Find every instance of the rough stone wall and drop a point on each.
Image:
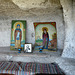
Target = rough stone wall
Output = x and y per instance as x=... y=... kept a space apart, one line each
x=28 y=4
x=69 y=43
x=44 y=11
x=5 y=29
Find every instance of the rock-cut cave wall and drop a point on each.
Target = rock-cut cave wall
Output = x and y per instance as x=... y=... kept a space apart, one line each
x=60 y=11
x=35 y=11
x=69 y=41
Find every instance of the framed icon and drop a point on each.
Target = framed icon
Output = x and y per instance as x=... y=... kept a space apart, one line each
x=18 y=31
x=45 y=36
x=28 y=48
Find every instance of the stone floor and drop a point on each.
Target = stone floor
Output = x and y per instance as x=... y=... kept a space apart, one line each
x=66 y=64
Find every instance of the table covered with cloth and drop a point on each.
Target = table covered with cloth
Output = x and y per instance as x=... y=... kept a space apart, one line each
x=24 y=68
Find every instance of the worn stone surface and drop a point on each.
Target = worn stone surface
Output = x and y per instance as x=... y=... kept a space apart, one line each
x=11 y=11
x=5 y=30
x=43 y=11
x=20 y=8
x=28 y=4
x=60 y=11
x=66 y=64
x=69 y=43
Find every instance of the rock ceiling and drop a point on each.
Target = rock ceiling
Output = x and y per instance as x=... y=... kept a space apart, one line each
x=28 y=4
x=28 y=7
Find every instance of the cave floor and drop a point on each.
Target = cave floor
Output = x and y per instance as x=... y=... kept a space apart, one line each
x=66 y=64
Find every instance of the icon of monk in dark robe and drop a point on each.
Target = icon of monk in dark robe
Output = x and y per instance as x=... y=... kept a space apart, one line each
x=45 y=37
x=18 y=36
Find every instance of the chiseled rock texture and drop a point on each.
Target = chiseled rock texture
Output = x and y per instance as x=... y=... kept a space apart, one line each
x=60 y=11
x=68 y=13
x=31 y=11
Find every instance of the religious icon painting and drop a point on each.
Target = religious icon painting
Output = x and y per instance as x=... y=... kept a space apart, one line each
x=45 y=36
x=28 y=48
x=18 y=31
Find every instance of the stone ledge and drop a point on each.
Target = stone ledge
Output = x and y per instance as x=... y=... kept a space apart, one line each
x=7 y=51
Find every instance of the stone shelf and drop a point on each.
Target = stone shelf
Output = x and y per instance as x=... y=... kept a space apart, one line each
x=7 y=51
